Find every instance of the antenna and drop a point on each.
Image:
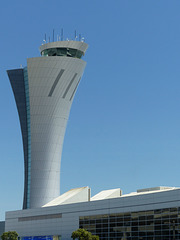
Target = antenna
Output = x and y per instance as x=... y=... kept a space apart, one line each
x=53 y=35
x=44 y=40
x=49 y=39
x=79 y=37
x=61 y=34
x=75 y=35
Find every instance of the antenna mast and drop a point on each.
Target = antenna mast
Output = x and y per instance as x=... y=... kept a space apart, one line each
x=62 y=34
x=53 y=35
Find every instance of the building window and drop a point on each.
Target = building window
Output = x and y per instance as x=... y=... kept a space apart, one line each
x=147 y=225
x=40 y=217
x=63 y=52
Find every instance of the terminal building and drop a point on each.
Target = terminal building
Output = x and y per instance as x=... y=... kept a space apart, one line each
x=148 y=214
x=44 y=91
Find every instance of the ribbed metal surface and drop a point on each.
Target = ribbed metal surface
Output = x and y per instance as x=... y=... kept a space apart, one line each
x=49 y=117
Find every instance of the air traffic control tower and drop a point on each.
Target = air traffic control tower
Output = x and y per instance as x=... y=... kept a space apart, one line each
x=44 y=91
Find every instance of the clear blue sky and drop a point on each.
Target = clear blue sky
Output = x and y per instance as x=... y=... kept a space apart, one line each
x=123 y=129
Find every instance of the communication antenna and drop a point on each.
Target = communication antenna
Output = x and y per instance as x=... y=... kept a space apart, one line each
x=62 y=34
x=49 y=39
x=75 y=35
x=79 y=37
x=53 y=35
x=45 y=37
x=82 y=39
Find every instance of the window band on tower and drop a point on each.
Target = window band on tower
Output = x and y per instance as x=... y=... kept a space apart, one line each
x=56 y=82
x=69 y=85
x=75 y=89
x=26 y=84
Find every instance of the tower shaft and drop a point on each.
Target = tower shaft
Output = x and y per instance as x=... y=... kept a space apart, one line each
x=44 y=92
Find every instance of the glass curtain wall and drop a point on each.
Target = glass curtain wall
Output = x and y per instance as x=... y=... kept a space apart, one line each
x=161 y=224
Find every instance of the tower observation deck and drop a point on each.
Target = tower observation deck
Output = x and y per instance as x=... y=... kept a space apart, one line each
x=44 y=91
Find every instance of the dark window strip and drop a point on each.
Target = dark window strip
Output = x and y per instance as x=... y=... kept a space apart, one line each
x=40 y=217
x=74 y=90
x=69 y=85
x=55 y=82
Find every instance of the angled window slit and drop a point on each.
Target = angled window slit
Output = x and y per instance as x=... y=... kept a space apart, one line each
x=56 y=82
x=74 y=89
x=69 y=85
